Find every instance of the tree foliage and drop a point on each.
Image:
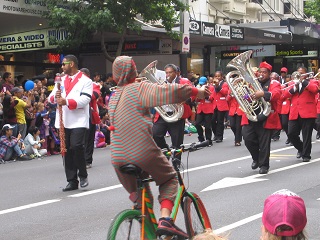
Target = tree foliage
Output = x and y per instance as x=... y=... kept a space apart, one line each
x=82 y=19
x=312 y=9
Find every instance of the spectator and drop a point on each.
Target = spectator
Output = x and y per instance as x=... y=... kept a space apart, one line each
x=208 y=235
x=33 y=143
x=284 y=217
x=10 y=144
x=20 y=109
x=104 y=125
x=8 y=83
x=99 y=140
x=9 y=113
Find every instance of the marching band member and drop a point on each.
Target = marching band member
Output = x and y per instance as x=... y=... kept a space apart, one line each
x=257 y=135
x=285 y=109
x=175 y=129
x=74 y=96
x=303 y=113
x=204 y=113
x=235 y=116
x=220 y=106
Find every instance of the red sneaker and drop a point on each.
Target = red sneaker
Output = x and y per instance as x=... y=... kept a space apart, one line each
x=167 y=227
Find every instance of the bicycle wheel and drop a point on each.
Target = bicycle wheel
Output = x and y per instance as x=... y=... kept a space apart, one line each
x=195 y=215
x=127 y=226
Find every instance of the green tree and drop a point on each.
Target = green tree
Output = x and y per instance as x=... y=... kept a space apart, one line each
x=311 y=8
x=84 y=18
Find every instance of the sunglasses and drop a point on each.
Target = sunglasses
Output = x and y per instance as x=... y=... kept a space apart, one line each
x=64 y=63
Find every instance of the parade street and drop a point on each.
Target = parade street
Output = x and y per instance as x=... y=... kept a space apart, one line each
x=33 y=206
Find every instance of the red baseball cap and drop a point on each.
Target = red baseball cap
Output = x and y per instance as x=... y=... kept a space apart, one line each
x=284 y=69
x=284 y=208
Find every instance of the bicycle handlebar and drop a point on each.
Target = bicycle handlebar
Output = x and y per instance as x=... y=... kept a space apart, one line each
x=188 y=147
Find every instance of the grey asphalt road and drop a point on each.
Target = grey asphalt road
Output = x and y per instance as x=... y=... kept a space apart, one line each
x=33 y=206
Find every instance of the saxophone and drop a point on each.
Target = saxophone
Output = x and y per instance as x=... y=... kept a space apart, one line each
x=148 y=74
x=243 y=83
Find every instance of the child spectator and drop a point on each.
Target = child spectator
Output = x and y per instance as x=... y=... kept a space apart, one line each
x=99 y=140
x=41 y=112
x=284 y=217
x=33 y=143
x=10 y=144
x=104 y=125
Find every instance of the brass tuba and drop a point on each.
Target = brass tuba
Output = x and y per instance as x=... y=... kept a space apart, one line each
x=243 y=84
x=148 y=74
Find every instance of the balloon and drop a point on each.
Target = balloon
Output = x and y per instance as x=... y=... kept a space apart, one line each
x=29 y=85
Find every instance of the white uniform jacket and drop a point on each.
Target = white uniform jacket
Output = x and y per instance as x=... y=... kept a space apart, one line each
x=78 y=95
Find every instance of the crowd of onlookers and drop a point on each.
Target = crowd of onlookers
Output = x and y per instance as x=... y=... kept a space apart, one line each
x=27 y=119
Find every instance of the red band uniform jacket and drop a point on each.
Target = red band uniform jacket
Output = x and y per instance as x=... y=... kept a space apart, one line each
x=272 y=95
x=206 y=105
x=220 y=97
x=303 y=101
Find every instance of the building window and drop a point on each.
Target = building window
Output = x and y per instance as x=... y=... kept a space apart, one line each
x=287 y=8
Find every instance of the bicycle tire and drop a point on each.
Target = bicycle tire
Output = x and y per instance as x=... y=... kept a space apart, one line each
x=195 y=215
x=127 y=225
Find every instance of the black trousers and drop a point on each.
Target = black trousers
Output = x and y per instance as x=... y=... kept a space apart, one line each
x=175 y=129
x=74 y=162
x=89 y=143
x=258 y=140
x=217 y=123
x=305 y=125
x=235 y=124
x=205 y=119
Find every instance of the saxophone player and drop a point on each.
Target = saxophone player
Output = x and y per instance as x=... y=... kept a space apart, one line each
x=257 y=135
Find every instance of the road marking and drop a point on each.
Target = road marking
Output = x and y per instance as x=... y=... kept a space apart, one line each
x=230 y=182
x=96 y=191
x=119 y=185
x=238 y=224
x=32 y=205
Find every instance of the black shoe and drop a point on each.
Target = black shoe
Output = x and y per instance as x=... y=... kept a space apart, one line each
x=299 y=155
x=263 y=170
x=210 y=143
x=214 y=139
x=305 y=159
x=288 y=141
x=275 y=139
x=84 y=182
x=70 y=187
x=318 y=136
x=167 y=227
x=218 y=140
x=254 y=165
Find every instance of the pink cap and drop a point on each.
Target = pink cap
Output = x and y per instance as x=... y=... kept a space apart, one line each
x=284 y=69
x=284 y=208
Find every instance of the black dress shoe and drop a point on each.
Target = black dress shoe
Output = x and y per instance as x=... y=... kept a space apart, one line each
x=263 y=170
x=254 y=165
x=288 y=141
x=305 y=159
x=84 y=182
x=70 y=187
x=299 y=155
x=218 y=140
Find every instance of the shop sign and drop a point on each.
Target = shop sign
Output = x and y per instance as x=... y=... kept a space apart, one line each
x=293 y=52
x=261 y=50
x=185 y=43
x=237 y=33
x=230 y=54
x=165 y=46
x=195 y=27
x=33 y=40
x=208 y=29
x=24 y=7
x=222 y=31
x=313 y=53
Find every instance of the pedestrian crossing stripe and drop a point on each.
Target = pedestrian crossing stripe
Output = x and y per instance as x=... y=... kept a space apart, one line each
x=281 y=155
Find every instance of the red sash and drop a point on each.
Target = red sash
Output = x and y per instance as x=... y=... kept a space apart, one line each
x=68 y=85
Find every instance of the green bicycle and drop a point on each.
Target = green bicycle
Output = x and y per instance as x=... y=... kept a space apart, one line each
x=141 y=223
